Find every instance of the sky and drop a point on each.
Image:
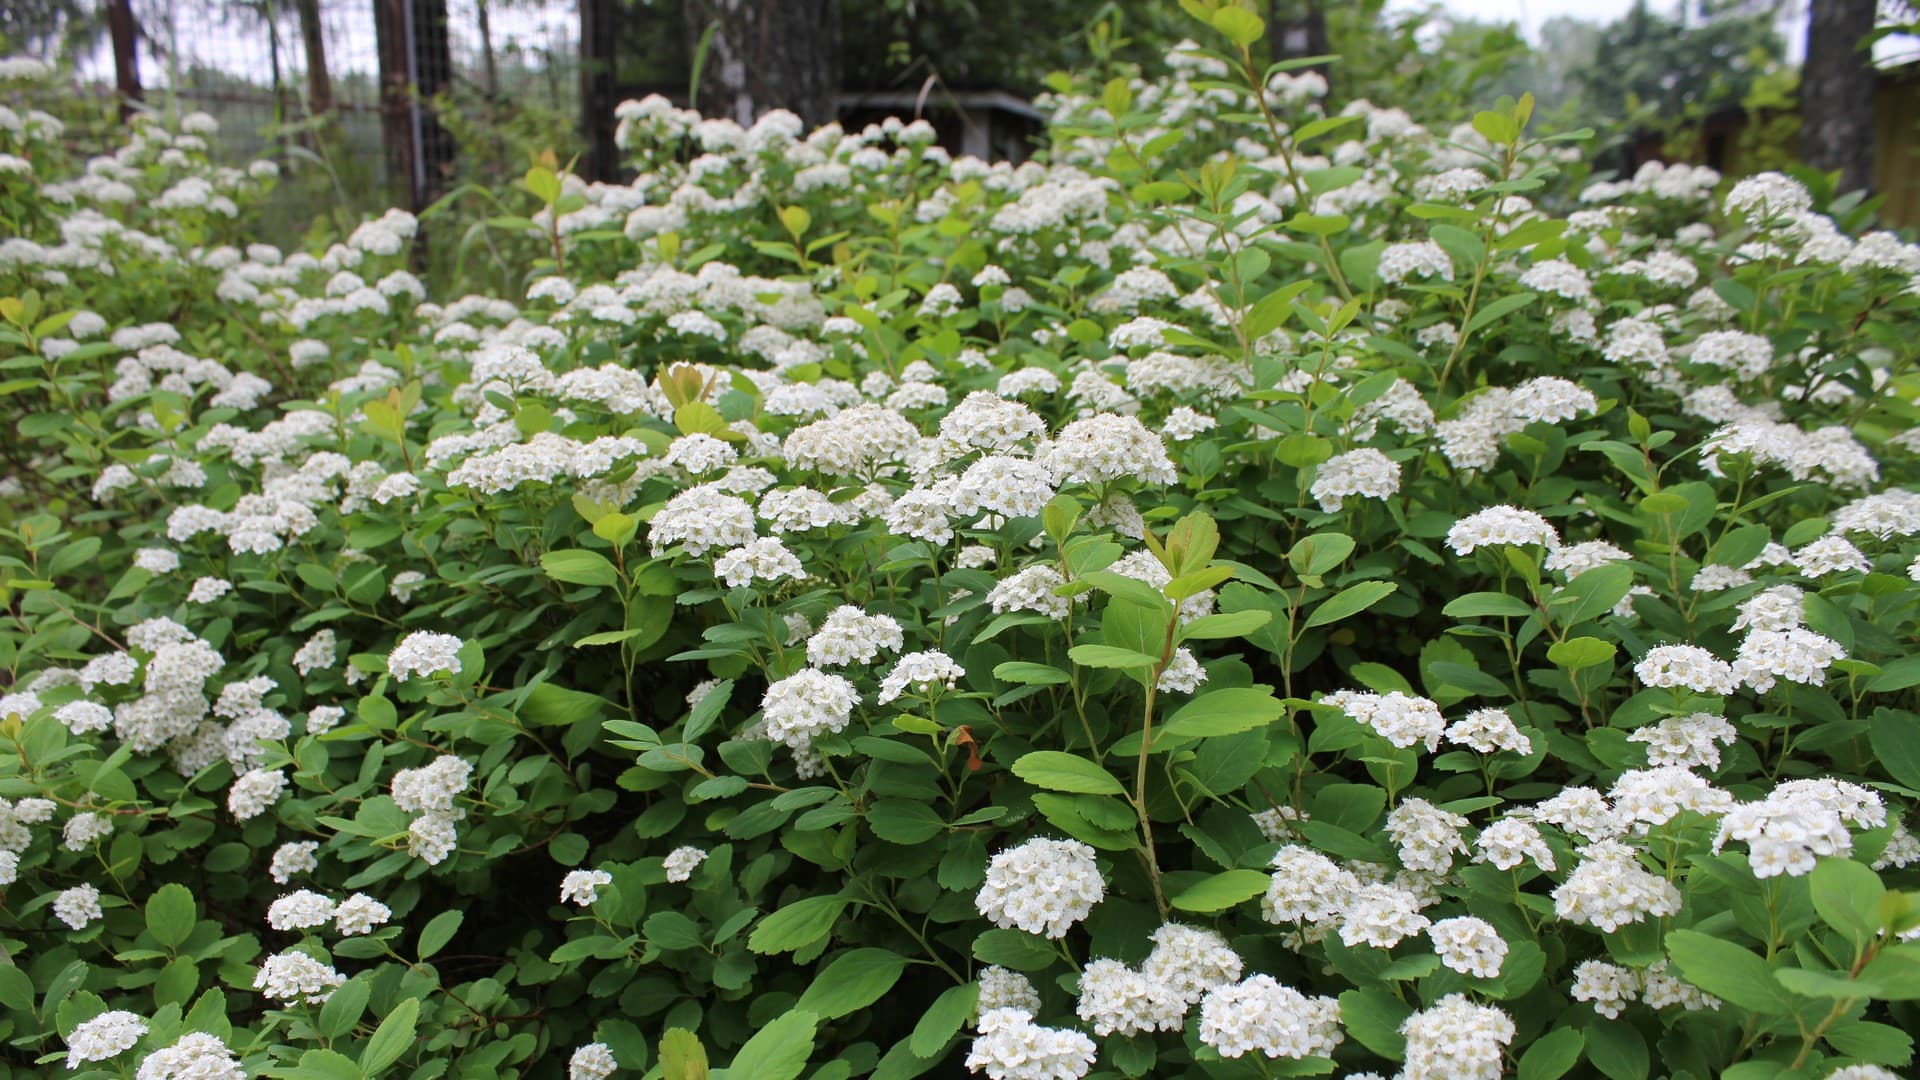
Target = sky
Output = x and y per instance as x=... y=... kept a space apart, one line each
x=1530 y=14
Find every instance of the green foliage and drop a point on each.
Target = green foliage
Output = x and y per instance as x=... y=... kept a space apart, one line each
x=851 y=612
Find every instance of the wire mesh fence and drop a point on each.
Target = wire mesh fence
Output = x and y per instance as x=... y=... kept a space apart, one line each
x=366 y=103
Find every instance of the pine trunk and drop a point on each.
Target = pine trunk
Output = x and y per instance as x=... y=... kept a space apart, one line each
x=1836 y=92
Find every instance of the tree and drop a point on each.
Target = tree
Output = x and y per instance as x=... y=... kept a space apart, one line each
x=767 y=54
x=313 y=39
x=1836 y=92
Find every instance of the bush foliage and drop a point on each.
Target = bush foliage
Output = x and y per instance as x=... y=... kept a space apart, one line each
x=1264 y=593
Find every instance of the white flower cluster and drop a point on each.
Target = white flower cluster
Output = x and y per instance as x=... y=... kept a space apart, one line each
x=1401 y=719
x=1455 y=1039
x=1042 y=886
x=1261 y=1015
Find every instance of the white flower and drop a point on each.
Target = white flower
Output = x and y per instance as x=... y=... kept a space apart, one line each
x=360 y=914
x=293 y=977
x=424 y=652
x=432 y=787
x=1401 y=719
x=1422 y=258
x=1183 y=674
x=1003 y=989
x=582 y=887
x=1381 y=915
x=1511 y=841
x=763 y=559
x=1042 y=886
x=806 y=704
x=920 y=671
x=1501 y=525
x=849 y=636
x=1010 y=1046
x=1609 y=889
x=681 y=862
x=1468 y=945
x=1306 y=886
x=1488 y=731
x=1797 y=655
x=1191 y=961
x=594 y=1061
x=1608 y=987
x=1456 y=1040
x=1260 y=1014
x=78 y=906
x=1830 y=555
x=253 y=792
x=105 y=1036
x=1692 y=741
x=1427 y=836
x=1115 y=998
x=293 y=859
x=197 y=1055
x=302 y=910
x=1366 y=472
x=1685 y=666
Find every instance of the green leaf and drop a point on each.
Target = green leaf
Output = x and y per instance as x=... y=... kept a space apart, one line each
x=1829 y=984
x=682 y=1057
x=1868 y=1041
x=1581 y=652
x=905 y=821
x=1242 y=27
x=344 y=1007
x=852 y=982
x=1499 y=309
x=325 y=1065
x=1014 y=950
x=1847 y=897
x=1055 y=770
x=1617 y=1049
x=778 y=1051
x=1498 y=128
x=673 y=930
x=1476 y=605
x=170 y=914
x=1031 y=674
x=1552 y=1055
x=1727 y=971
x=392 y=1038
x=1351 y=600
x=1319 y=554
x=435 y=935
x=1897 y=674
x=1109 y=656
x=1591 y=595
x=579 y=567
x=1223 y=712
x=1373 y=1017
x=1222 y=891
x=943 y=1020
x=547 y=705
x=1896 y=745
x=1225 y=625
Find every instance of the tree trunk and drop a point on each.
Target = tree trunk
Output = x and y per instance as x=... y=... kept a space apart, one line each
x=489 y=71
x=597 y=90
x=126 y=57
x=1836 y=92
x=319 y=80
x=767 y=54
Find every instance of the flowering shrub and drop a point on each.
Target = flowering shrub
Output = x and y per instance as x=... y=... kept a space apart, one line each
x=1260 y=595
